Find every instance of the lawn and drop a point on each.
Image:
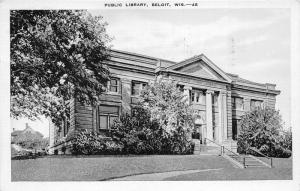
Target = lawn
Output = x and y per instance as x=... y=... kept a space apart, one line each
x=282 y=171
x=95 y=168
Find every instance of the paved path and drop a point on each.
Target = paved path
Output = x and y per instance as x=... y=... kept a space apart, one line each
x=161 y=175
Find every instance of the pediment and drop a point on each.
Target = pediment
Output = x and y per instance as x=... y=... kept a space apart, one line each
x=201 y=66
x=200 y=69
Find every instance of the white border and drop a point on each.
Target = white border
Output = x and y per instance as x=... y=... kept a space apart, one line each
x=5 y=177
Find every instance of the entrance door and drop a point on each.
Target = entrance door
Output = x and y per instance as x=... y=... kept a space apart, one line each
x=197 y=133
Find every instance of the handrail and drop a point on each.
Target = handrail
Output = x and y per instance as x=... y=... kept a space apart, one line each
x=66 y=141
x=255 y=150
x=232 y=151
x=223 y=148
x=213 y=142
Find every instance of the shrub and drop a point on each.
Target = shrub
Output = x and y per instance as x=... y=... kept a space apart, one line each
x=261 y=129
x=90 y=143
x=136 y=132
x=286 y=140
x=142 y=135
x=166 y=105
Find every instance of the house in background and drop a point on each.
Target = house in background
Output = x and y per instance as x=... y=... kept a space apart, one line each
x=219 y=99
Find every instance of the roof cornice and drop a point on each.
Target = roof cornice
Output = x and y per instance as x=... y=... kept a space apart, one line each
x=190 y=75
x=204 y=59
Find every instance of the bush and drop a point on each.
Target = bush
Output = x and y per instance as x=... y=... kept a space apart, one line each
x=136 y=132
x=261 y=129
x=286 y=140
x=142 y=135
x=90 y=143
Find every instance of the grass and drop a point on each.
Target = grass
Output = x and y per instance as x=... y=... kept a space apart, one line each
x=282 y=171
x=95 y=168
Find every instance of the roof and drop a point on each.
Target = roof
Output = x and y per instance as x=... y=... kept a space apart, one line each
x=207 y=61
x=236 y=78
x=16 y=133
x=146 y=61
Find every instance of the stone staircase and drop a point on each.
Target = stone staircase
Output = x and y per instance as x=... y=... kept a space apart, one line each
x=246 y=161
x=229 y=152
x=230 y=144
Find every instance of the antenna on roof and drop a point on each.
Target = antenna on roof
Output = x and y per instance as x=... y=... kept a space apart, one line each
x=184 y=47
x=232 y=51
x=187 y=49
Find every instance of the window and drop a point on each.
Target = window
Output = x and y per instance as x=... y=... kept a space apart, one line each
x=215 y=100
x=137 y=88
x=66 y=126
x=108 y=114
x=235 y=128
x=114 y=85
x=237 y=103
x=66 y=121
x=254 y=104
x=197 y=96
x=180 y=87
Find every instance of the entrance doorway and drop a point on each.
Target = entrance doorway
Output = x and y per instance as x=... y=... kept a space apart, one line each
x=197 y=132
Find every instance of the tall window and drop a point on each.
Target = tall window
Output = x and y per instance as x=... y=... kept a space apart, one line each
x=254 y=104
x=66 y=126
x=235 y=128
x=237 y=103
x=66 y=121
x=215 y=100
x=197 y=96
x=108 y=114
x=137 y=88
x=114 y=85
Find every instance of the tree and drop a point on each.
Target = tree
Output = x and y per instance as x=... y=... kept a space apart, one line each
x=166 y=104
x=56 y=55
x=262 y=129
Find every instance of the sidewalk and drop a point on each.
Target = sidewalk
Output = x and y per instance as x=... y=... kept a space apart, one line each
x=160 y=176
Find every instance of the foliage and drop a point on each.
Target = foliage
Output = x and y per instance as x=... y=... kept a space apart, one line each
x=55 y=55
x=261 y=129
x=166 y=105
x=286 y=139
x=30 y=139
x=160 y=124
x=137 y=132
x=89 y=143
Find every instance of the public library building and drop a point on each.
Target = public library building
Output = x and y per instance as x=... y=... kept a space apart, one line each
x=219 y=99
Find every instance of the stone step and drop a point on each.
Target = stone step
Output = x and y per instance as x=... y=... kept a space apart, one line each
x=255 y=166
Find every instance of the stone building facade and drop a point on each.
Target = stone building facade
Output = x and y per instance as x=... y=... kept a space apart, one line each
x=219 y=99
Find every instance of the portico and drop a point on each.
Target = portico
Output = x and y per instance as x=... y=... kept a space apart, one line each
x=205 y=88
x=210 y=118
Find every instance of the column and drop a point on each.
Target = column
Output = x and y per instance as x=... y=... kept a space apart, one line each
x=221 y=118
x=246 y=104
x=186 y=93
x=126 y=95
x=225 y=126
x=52 y=128
x=209 y=122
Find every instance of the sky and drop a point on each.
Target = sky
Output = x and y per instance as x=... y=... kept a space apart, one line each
x=253 y=43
